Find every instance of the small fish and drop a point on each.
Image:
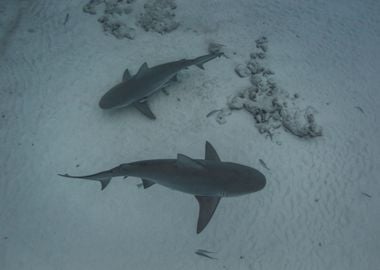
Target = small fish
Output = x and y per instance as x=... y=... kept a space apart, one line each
x=204 y=255
x=263 y=164
x=212 y=112
x=367 y=195
x=205 y=251
x=359 y=108
x=66 y=18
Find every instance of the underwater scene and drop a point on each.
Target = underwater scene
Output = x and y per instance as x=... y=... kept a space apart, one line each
x=174 y=134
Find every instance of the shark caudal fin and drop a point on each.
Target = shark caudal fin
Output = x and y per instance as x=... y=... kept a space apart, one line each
x=103 y=179
x=199 y=61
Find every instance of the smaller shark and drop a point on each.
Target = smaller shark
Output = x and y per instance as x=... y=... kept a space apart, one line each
x=207 y=179
x=134 y=90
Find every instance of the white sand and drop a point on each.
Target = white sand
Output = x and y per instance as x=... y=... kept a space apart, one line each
x=311 y=215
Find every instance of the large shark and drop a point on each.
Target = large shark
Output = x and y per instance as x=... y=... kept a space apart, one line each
x=208 y=179
x=134 y=90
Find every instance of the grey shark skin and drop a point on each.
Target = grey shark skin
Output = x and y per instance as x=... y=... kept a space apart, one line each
x=208 y=179
x=134 y=90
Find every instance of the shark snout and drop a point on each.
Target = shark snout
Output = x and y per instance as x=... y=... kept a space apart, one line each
x=104 y=104
x=257 y=181
x=107 y=102
x=261 y=183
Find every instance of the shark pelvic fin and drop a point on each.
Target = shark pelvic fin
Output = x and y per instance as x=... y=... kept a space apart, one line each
x=207 y=207
x=127 y=75
x=186 y=162
x=143 y=107
x=211 y=153
x=200 y=65
x=147 y=183
x=144 y=67
x=104 y=183
x=174 y=78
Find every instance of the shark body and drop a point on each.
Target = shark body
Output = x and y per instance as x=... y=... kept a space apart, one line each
x=134 y=90
x=207 y=179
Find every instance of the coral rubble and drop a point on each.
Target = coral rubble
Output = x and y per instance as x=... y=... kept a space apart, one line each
x=159 y=16
x=113 y=17
x=270 y=106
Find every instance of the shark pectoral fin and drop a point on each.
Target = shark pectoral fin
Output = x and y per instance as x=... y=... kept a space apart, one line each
x=147 y=183
x=127 y=75
x=207 y=206
x=143 y=107
x=211 y=153
x=186 y=162
x=144 y=67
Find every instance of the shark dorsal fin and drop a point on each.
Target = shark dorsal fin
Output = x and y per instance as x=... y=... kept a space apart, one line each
x=144 y=67
x=186 y=162
x=127 y=75
x=211 y=153
x=207 y=206
x=143 y=107
x=147 y=183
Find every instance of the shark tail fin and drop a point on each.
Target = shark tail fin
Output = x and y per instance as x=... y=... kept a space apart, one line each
x=104 y=181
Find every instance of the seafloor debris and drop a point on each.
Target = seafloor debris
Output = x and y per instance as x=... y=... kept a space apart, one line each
x=117 y=28
x=159 y=16
x=113 y=16
x=270 y=106
x=222 y=114
x=213 y=112
x=242 y=70
x=301 y=122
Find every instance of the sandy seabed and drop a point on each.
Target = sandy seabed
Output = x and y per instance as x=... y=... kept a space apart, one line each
x=320 y=208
